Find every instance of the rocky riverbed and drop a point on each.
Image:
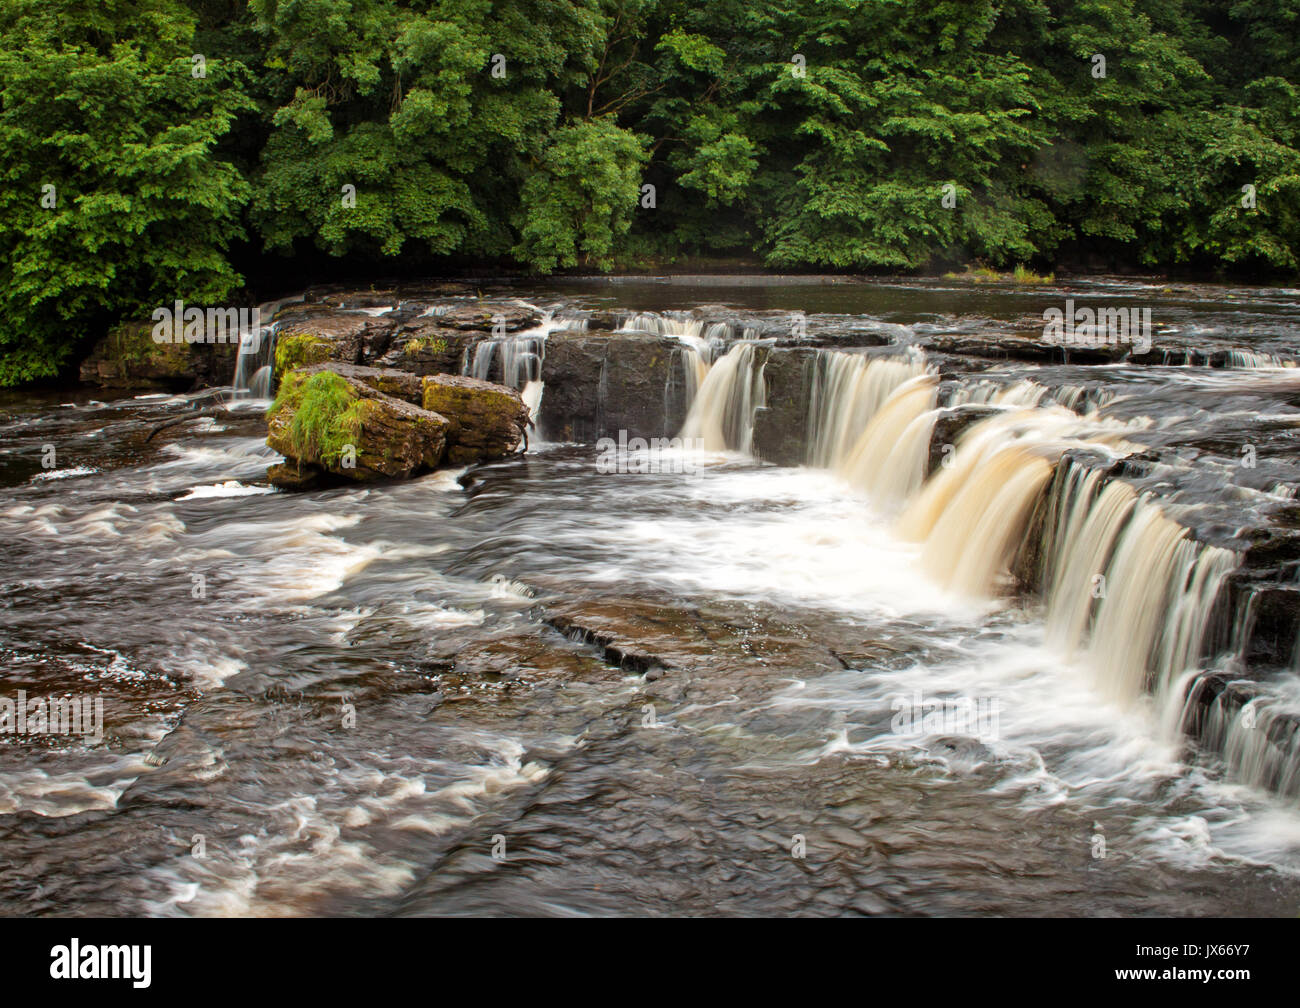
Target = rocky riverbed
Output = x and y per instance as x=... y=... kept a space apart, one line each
x=513 y=679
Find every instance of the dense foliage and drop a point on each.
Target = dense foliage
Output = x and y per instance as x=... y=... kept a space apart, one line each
x=158 y=149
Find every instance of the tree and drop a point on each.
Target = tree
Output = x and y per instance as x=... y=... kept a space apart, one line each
x=112 y=197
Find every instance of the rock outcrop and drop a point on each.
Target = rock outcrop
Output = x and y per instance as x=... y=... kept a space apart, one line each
x=128 y=357
x=600 y=383
x=350 y=422
x=486 y=421
x=781 y=426
x=326 y=422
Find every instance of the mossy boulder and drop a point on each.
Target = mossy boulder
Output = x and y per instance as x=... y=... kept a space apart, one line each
x=339 y=425
x=398 y=384
x=297 y=350
x=349 y=336
x=128 y=357
x=423 y=347
x=487 y=421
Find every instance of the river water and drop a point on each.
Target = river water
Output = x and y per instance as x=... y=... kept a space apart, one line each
x=365 y=701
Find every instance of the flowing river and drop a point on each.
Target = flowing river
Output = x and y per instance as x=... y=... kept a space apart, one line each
x=538 y=687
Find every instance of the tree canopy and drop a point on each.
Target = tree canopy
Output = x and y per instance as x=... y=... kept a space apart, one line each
x=161 y=149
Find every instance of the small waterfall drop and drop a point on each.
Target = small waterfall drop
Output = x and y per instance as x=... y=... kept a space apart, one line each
x=847 y=391
x=255 y=360
x=522 y=355
x=971 y=515
x=722 y=414
x=1258 y=737
x=1128 y=587
x=888 y=460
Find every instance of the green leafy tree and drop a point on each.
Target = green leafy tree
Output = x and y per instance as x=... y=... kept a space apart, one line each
x=112 y=197
x=579 y=200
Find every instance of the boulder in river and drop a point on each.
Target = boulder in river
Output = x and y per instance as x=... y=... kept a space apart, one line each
x=340 y=425
x=311 y=334
x=781 y=425
x=362 y=423
x=129 y=357
x=486 y=421
x=600 y=383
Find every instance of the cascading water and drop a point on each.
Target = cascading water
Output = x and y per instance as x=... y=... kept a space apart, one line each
x=798 y=617
x=255 y=361
x=888 y=459
x=1258 y=739
x=722 y=413
x=1127 y=592
x=1128 y=582
x=847 y=391
x=522 y=355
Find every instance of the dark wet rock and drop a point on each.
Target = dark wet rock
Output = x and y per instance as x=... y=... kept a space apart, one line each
x=590 y=321
x=834 y=337
x=129 y=357
x=295 y=476
x=486 y=421
x=618 y=636
x=423 y=347
x=1263 y=594
x=781 y=427
x=949 y=426
x=1274 y=624
x=1031 y=349
x=599 y=384
x=642 y=635
x=611 y=649
x=489 y=315
x=1275 y=550
x=1265 y=618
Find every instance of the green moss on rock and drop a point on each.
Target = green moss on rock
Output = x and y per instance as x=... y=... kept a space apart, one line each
x=128 y=355
x=300 y=350
x=324 y=417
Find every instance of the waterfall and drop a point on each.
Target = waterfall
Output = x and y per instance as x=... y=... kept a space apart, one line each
x=522 y=355
x=722 y=413
x=1258 y=739
x=1126 y=584
x=971 y=516
x=888 y=459
x=1125 y=587
x=847 y=391
x=255 y=364
x=1255 y=359
x=255 y=361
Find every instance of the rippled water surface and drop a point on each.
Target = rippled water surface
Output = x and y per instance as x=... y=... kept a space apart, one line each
x=345 y=702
